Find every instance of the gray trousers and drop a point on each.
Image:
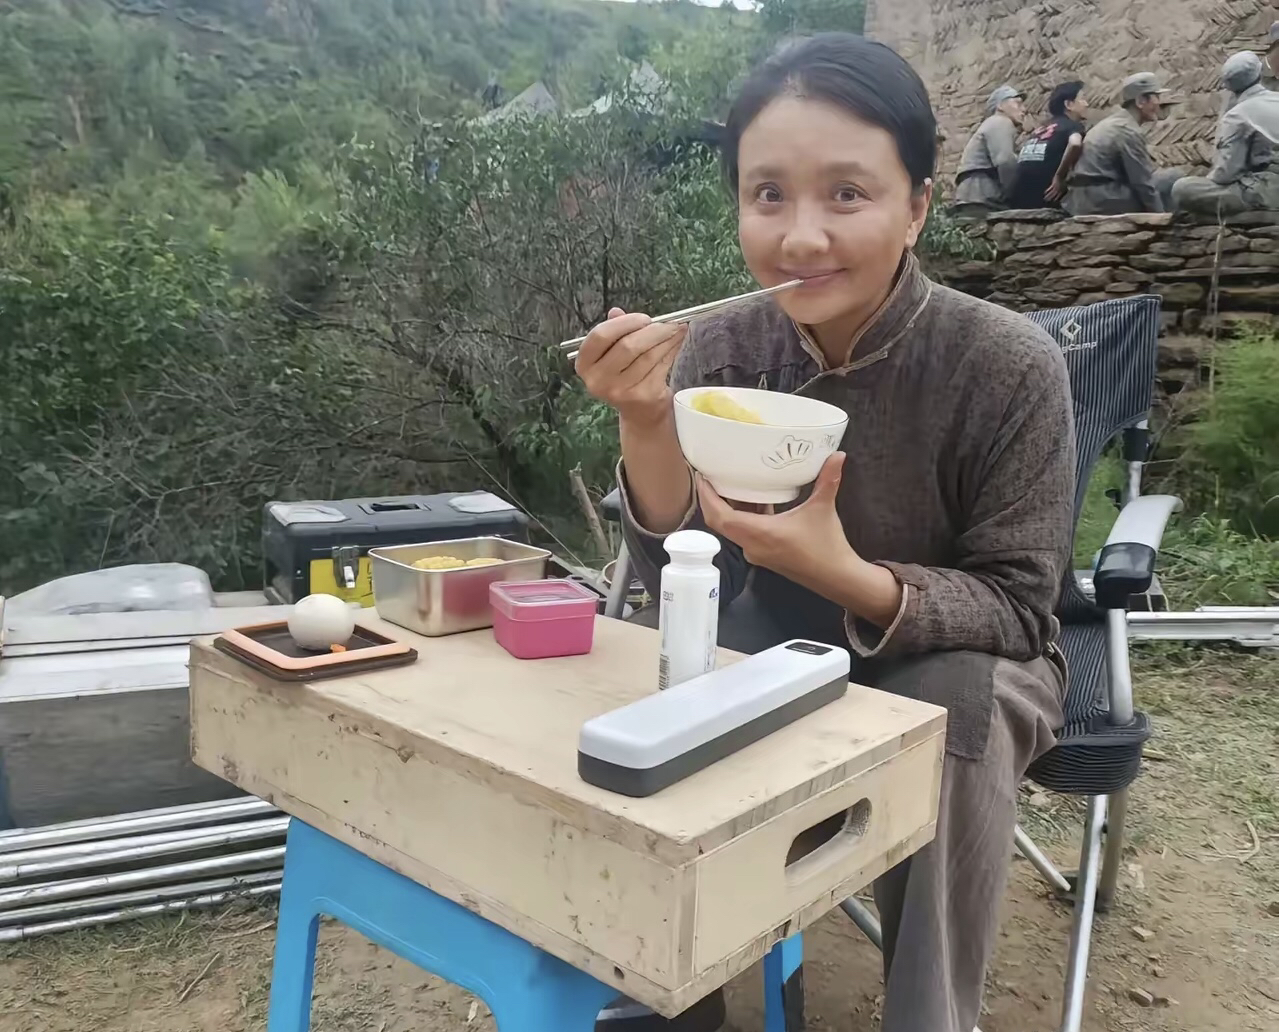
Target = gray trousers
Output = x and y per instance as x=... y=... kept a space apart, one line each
x=1200 y=195
x=939 y=909
x=1116 y=198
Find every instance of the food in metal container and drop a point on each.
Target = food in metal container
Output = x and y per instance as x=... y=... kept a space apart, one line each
x=441 y=587
x=452 y=562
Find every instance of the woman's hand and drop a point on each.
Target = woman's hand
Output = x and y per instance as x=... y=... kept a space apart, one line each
x=625 y=362
x=807 y=545
x=799 y=543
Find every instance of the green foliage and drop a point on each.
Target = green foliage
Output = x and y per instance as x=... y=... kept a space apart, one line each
x=794 y=17
x=253 y=251
x=1231 y=457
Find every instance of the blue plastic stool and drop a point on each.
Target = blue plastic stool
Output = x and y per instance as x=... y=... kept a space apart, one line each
x=527 y=989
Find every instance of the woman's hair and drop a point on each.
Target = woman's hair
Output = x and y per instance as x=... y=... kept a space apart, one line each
x=1062 y=96
x=866 y=79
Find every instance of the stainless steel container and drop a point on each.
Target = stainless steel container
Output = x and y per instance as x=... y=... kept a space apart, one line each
x=439 y=602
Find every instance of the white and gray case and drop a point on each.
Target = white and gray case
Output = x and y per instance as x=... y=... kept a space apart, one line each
x=639 y=749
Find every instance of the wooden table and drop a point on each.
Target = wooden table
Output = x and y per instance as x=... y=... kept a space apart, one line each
x=460 y=771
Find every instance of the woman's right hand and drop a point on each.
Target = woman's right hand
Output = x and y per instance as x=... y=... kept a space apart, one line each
x=625 y=361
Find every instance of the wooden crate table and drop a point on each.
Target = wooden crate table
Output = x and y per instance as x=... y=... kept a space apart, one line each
x=460 y=772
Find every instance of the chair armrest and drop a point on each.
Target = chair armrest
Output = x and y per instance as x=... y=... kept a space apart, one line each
x=611 y=506
x=1126 y=566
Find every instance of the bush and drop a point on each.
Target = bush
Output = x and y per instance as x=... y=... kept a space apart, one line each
x=1230 y=462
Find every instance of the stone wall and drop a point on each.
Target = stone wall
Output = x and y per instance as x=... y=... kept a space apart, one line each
x=1207 y=274
x=965 y=48
x=1213 y=279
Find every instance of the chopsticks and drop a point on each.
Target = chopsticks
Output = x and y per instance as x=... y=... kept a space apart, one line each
x=685 y=314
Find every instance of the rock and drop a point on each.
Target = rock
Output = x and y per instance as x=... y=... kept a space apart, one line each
x=1165 y=1001
x=1144 y=934
x=1049 y=297
x=1180 y=293
x=1267 y=245
x=1022 y=259
x=1183 y=248
x=1263 y=232
x=1272 y=908
x=1126 y=275
x=1121 y=287
x=1089 y=261
x=1184 y=350
x=1135 y=218
x=1038 y=800
x=1236 y=260
x=1001 y=236
x=1156 y=262
x=1141 y=997
x=975 y=268
x=1041 y=215
x=1262 y=295
x=1253 y=218
x=1109 y=243
x=1078 y=279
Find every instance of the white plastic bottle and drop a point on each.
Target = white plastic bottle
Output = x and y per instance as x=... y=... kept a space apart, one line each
x=689 y=615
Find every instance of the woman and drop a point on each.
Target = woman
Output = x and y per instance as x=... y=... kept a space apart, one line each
x=935 y=544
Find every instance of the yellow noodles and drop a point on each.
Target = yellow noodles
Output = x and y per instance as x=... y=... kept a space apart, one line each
x=449 y=562
x=718 y=403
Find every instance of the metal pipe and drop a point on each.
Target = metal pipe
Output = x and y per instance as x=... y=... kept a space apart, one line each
x=272 y=828
x=70 y=888
x=1252 y=627
x=181 y=890
x=1112 y=858
x=1119 y=679
x=1072 y=1014
x=130 y=823
x=100 y=846
x=131 y=913
x=861 y=916
x=1028 y=849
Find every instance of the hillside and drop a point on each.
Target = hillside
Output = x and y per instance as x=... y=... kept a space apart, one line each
x=86 y=84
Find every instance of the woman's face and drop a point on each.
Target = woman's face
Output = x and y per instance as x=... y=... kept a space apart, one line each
x=824 y=197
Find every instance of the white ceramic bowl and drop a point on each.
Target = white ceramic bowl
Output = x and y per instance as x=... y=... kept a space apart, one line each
x=764 y=464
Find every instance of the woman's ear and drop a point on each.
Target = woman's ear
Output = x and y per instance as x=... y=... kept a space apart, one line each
x=920 y=201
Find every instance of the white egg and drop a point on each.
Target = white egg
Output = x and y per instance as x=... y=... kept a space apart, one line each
x=318 y=622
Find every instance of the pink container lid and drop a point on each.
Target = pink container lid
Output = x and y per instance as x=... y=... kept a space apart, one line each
x=542 y=599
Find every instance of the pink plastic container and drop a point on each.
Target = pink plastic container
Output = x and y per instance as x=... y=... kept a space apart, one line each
x=543 y=619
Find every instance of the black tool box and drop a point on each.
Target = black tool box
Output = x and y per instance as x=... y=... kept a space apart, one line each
x=312 y=546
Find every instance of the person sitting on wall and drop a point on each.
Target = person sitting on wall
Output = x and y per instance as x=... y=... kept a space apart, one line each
x=1115 y=174
x=988 y=168
x=1270 y=74
x=933 y=547
x=1244 y=176
x=1047 y=158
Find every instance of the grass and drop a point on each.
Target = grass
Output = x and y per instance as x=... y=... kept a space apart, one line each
x=1203 y=561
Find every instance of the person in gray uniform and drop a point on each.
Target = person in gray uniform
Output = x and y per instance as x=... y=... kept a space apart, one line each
x=1243 y=176
x=988 y=168
x=1115 y=174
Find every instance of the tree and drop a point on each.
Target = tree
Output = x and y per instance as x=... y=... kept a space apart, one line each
x=790 y=17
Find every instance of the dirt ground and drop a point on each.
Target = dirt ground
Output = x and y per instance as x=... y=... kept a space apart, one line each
x=1197 y=926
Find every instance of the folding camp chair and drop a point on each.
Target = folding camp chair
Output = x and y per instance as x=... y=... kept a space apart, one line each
x=1111 y=349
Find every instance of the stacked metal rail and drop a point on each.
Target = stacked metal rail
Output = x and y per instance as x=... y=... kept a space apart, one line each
x=97 y=872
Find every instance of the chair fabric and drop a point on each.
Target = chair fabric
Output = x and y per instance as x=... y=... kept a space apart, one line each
x=1111 y=350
